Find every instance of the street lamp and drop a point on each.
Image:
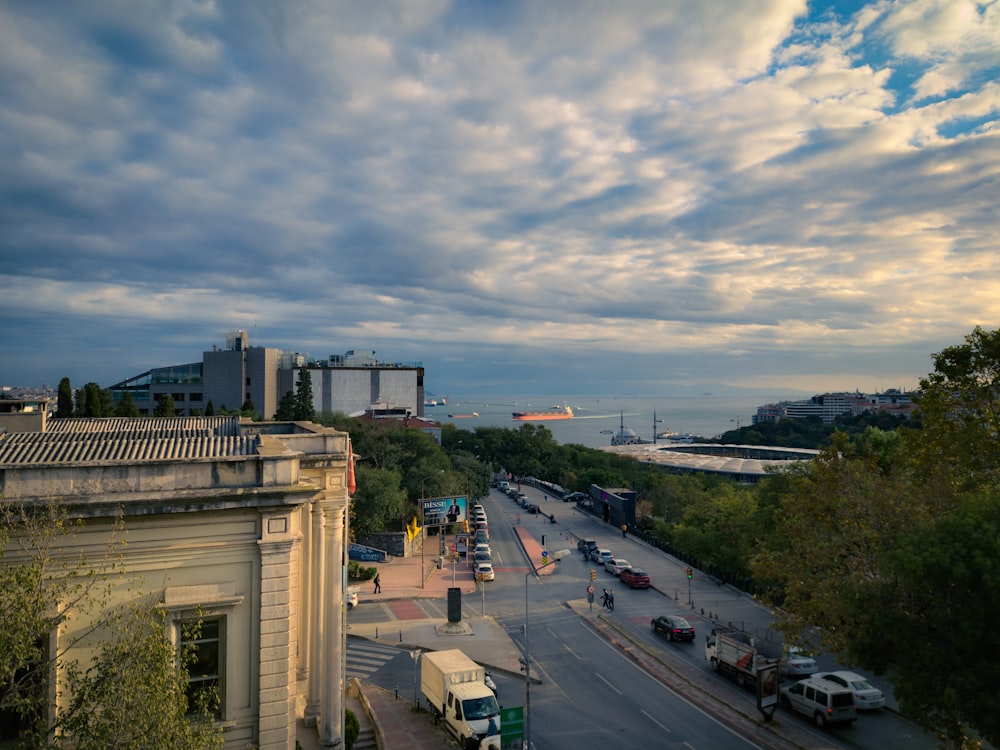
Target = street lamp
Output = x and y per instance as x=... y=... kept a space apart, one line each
x=559 y=555
x=423 y=531
x=415 y=655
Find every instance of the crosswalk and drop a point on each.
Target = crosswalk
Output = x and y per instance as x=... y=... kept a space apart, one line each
x=364 y=658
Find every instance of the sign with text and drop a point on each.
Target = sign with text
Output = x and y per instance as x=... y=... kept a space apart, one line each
x=444 y=511
x=512 y=728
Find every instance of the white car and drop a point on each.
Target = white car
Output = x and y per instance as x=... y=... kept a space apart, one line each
x=484 y=572
x=797 y=663
x=352 y=597
x=616 y=565
x=866 y=695
x=601 y=556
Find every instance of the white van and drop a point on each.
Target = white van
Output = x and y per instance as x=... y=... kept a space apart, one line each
x=822 y=701
x=504 y=486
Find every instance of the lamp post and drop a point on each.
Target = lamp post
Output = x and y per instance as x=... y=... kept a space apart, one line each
x=423 y=531
x=559 y=555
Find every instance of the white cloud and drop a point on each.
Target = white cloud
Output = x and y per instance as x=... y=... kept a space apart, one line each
x=664 y=183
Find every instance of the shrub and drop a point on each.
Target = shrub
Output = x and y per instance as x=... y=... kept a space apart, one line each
x=352 y=728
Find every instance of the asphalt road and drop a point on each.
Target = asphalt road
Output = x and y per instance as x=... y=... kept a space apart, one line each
x=592 y=695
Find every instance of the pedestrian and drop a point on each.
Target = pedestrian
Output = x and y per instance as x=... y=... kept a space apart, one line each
x=604 y=599
x=378 y=584
x=611 y=600
x=624 y=529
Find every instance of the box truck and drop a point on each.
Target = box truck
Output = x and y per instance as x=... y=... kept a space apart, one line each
x=455 y=687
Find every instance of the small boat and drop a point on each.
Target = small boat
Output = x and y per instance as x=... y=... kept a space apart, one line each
x=561 y=412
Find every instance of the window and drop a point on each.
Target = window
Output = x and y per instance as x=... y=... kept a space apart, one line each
x=203 y=650
x=33 y=679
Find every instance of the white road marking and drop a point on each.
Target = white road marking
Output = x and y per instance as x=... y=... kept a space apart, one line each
x=661 y=725
x=602 y=679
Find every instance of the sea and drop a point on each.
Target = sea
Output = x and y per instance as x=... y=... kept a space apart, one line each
x=597 y=418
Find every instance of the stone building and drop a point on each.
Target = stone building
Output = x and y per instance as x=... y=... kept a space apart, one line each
x=242 y=523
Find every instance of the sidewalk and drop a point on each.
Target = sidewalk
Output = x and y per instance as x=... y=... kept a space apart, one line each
x=396 y=723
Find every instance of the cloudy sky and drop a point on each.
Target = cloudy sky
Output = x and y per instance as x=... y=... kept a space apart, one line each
x=541 y=197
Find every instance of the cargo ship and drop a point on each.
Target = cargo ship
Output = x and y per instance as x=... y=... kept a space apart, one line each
x=559 y=412
x=464 y=416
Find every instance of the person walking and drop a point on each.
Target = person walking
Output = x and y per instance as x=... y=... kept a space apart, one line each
x=604 y=599
x=611 y=600
x=378 y=584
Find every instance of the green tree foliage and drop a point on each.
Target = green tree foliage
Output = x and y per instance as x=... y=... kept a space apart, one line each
x=210 y=409
x=133 y=695
x=249 y=410
x=889 y=546
x=165 y=406
x=960 y=406
x=304 y=411
x=93 y=401
x=64 y=399
x=286 y=408
x=127 y=696
x=380 y=501
x=126 y=407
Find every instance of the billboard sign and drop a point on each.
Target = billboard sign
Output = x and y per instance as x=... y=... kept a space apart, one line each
x=444 y=511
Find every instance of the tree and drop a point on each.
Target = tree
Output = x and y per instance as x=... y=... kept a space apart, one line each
x=210 y=409
x=378 y=502
x=164 y=406
x=960 y=406
x=64 y=400
x=130 y=695
x=305 y=411
x=134 y=693
x=287 y=408
x=249 y=410
x=889 y=546
x=126 y=407
x=93 y=401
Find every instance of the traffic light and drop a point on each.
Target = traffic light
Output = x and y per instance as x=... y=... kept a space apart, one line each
x=688 y=571
x=593 y=575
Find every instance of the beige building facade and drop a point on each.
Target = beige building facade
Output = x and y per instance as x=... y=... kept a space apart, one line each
x=239 y=524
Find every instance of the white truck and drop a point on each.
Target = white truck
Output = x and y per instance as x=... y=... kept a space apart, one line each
x=735 y=653
x=455 y=687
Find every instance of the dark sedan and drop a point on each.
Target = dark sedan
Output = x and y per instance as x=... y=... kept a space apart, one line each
x=673 y=627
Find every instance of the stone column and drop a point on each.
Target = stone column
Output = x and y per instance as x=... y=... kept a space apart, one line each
x=314 y=697
x=279 y=548
x=331 y=716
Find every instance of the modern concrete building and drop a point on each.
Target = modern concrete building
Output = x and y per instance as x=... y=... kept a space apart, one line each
x=241 y=524
x=229 y=377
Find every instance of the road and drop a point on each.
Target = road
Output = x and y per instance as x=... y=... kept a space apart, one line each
x=591 y=694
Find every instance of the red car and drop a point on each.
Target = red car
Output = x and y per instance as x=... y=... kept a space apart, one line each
x=637 y=578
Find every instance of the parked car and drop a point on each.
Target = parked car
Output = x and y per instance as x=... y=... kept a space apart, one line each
x=601 y=556
x=481 y=547
x=482 y=536
x=484 y=572
x=821 y=700
x=796 y=663
x=482 y=557
x=585 y=546
x=574 y=497
x=636 y=578
x=531 y=508
x=352 y=597
x=675 y=628
x=616 y=565
x=866 y=695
